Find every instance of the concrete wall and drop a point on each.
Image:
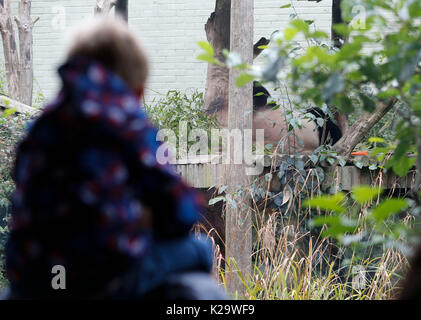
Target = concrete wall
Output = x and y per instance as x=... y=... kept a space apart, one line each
x=169 y=29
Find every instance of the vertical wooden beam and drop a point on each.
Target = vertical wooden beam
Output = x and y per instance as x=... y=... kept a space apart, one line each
x=338 y=39
x=238 y=218
x=122 y=9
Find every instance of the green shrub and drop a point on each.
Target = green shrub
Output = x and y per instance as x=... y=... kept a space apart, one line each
x=11 y=131
x=176 y=107
x=373 y=231
x=3 y=84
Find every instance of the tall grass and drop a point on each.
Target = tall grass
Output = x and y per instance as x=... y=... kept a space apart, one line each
x=292 y=261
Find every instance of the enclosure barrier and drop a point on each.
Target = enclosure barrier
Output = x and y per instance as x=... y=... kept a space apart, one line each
x=201 y=172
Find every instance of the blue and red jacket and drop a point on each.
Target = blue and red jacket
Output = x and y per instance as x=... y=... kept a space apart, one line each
x=87 y=179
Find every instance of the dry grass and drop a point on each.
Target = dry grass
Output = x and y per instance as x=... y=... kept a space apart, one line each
x=291 y=261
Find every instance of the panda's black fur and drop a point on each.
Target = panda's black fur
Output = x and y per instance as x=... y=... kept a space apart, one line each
x=333 y=132
x=261 y=100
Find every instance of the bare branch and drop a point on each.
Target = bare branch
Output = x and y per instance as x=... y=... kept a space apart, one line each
x=35 y=21
x=360 y=128
x=18 y=23
x=104 y=6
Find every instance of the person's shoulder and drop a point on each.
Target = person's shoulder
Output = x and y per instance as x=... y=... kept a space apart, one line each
x=189 y=286
x=5 y=294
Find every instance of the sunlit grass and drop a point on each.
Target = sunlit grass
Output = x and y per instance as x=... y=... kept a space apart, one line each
x=289 y=263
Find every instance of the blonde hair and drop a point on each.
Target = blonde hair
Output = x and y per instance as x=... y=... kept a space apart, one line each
x=111 y=43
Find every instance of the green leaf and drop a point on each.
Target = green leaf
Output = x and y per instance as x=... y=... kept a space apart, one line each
x=373 y=167
x=319 y=35
x=244 y=79
x=290 y=33
x=359 y=164
x=334 y=84
x=416 y=102
x=343 y=103
x=216 y=200
x=325 y=220
x=207 y=47
x=388 y=93
x=8 y=112
x=379 y=150
x=342 y=28
x=314 y=158
x=364 y=194
x=6 y=102
x=370 y=70
x=402 y=165
x=415 y=9
x=285 y=6
x=337 y=225
x=331 y=161
x=207 y=58
x=349 y=50
x=342 y=161
x=368 y=103
x=387 y=208
x=325 y=202
x=320 y=122
x=301 y=25
x=222 y=189
x=375 y=140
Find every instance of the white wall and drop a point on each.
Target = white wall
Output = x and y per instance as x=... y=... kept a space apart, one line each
x=169 y=30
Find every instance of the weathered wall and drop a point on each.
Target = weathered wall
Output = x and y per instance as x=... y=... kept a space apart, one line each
x=169 y=30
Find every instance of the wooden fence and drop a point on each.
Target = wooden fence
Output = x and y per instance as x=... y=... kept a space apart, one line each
x=200 y=172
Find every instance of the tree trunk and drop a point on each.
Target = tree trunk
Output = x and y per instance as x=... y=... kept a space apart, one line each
x=238 y=218
x=25 y=27
x=19 y=66
x=360 y=128
x=9 y=50
x=218 y=34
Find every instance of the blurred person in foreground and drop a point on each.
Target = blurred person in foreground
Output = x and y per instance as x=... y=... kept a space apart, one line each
x=90 y=195
x=410 y=286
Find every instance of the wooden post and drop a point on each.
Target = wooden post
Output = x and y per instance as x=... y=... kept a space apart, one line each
x=238 y=217
x=122 y=10
x=338 y=40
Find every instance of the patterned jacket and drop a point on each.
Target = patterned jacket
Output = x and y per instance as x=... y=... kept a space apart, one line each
x=87 y=180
